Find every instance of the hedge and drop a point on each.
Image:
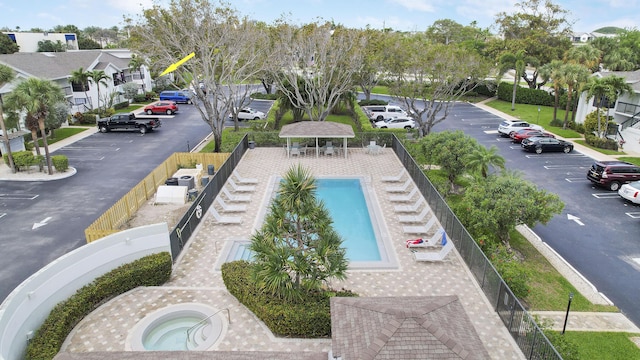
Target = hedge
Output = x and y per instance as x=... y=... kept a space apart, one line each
x=121 y=105
x=601 y=143
x=308 y=318
x=152 y=270
x=23 y=159
x=60 y=162
x=525 y=95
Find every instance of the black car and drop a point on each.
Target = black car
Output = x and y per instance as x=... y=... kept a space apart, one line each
x=542 y=144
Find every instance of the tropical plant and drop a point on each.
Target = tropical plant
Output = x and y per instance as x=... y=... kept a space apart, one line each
x=551 y=72
x=98 y=77
x=81 y=77
x=297 y=250
x=515 y=61
x=450 y=150
x=605 y=89
x=482 y=158
x=6 y=76
x=586 y=55
x=572 y=75
x=135 y=64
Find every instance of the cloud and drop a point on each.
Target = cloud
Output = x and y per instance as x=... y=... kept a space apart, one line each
x=419 y=5
x=622 y=3
x=393 y=22
x=131 y=6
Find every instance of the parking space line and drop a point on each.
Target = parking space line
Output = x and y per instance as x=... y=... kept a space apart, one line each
x=18 y=197
x=613 y=195
x=491 y=132
x=84 y=158
x=2 y=215
x=568 y=166
x=538 y=156
x=577 y=180
x=87 y=148
x=633 y=215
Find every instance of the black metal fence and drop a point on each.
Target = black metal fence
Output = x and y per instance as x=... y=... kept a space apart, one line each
x=522 y=327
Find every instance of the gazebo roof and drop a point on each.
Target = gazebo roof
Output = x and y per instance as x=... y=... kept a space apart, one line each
x=317 y=129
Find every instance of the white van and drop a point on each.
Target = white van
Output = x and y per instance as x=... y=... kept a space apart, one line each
x=381 y=112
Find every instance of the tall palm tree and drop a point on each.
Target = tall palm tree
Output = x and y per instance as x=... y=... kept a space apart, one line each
x=551 y=71
x=6 y=76
x=98 y=77
x=586 y=55
x=482 y=158
x=572 y=75
x=135 y=64
x=605 y=89
x=82 y=77
x=36 y=97
x=515 y=61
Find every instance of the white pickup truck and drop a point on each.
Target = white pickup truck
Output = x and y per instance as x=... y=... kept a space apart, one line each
x=381 y=112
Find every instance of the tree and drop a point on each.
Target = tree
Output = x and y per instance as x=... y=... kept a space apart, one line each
x=229 y=52
x=297 y=250
x=606 y=89
x=450 y=150
x=445 y=31
x=515 y=61
x=6 y=76
x=87 y=44
x=50 y=46
x=130 y=90
x=58 y=114
x=572 y=75
x=37 y=97
x=7 y=46
x=495 y=205
x=135 y=64
x=586 y=55
x=552 y=72
x=374 y=53
x=482 y=158
x=80 y=78
x=98 y=77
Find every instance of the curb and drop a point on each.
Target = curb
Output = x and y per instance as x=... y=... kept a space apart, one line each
x=56 y=176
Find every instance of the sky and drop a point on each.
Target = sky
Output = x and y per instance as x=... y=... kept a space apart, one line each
x=404 y=15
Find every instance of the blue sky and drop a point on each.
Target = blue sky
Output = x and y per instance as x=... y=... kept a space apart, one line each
x=397 y=14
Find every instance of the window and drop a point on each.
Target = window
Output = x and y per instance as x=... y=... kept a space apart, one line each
x=80 y=87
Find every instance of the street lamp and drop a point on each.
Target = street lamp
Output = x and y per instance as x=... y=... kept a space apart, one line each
x=566 y=317
x=538 y=121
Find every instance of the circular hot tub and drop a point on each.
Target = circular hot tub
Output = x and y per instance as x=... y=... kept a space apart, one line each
x=180 y=327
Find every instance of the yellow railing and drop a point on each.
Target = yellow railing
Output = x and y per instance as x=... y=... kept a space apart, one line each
x=113 y=219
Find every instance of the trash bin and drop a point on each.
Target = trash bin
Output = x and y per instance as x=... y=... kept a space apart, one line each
x=211 y=169
x=171 y=181
x=187 y=180
x=204 y=181
x=192 y=194
x=252 y=144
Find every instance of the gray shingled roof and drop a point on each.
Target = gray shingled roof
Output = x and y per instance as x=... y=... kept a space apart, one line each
x=320 y=129
x=631 y=77
x=429 y=327
x=52 y=66
x=193 y=355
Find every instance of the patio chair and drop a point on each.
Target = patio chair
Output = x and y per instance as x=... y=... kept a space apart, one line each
x=235 y=198
x=403 y=198
x=414 y=218
x=447 y=246
x=230 y=208
x=401 y=188
x=235 y=187
x=329 y=150
x=224 y=219
x=409 y=208
x=433 y=241
x=424 y=229
x=396 y=178
x=243 y=180
x=295 y=151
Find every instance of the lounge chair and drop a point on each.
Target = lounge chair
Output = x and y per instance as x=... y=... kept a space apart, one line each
x=224 y=219
x=329 y=150
x=424 y=229
x=295 y=151
x=414 y=218
x=396 y=178
x=243 y=180
x=447 y=246
x=230 y=208
x=409 y=208
x=401 y=188
x=431 y=242
x=405 y=197
x=235 y=198
x=235 y=187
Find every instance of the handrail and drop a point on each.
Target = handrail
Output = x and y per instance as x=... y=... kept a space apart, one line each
x=207 y=318
x=634 y=120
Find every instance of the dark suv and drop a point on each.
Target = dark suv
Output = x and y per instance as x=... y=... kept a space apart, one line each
x=612 y=174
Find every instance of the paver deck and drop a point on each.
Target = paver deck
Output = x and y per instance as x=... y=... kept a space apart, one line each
x=195 y=279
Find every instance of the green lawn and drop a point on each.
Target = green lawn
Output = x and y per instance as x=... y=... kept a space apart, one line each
x=131 y=108
x=604 y=345
x=60 y=134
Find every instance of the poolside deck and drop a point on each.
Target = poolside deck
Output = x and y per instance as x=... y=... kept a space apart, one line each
x=195 y=278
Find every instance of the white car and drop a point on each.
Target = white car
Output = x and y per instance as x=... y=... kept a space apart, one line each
x=631 y=192
x=395 y=123
x=250 y=114
x=508 y=126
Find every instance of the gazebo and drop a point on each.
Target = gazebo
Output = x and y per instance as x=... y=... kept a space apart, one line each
x=317 y=130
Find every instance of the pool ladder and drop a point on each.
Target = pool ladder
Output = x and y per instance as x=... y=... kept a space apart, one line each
x=191 y=341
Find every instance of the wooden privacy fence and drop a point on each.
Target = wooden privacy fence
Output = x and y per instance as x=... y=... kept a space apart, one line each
x=113 y=219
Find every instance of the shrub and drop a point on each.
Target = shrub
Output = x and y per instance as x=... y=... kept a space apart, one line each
x=488 y=88
x=591 y=122
x=511 y=270
x=524 y=95
x=24 y=159
x=372 y=102
x=121 y=105
x=152 y=270
x=139 y=98
x=601 y=143
x=263 y=96
x=60 y=162
x=556 y=123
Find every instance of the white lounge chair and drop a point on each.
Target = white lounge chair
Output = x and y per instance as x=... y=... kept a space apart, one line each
x=447 y=246
x=295 y=151
x=235 y=187
x=230 y=208
x=329 y=150
x=401 y=188
x=243 y=180
x=404 y=197
x=431 y=242
x=224 y=219
x=424 y=229
x=414 y=218
x=409 y=208
x=235 y=198
x=394 y=178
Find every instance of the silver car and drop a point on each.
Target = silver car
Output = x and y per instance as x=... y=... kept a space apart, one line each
x=631 y=192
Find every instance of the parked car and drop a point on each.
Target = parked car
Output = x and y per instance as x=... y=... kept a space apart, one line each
x=381 y=112
x=161 y=107
x=395 y=123
x=176 y=96
x=250 y=114
x=518 y=136
x=508 y=126
x=631 y=192
x=612 y=174
x=546 y=144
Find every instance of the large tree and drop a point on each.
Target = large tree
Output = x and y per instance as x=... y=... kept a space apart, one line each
x=515 y=61
x=551 y=72
x=374 y=53
x=573 y=75
x=6 y=76
x=229 y=52
x=450 y=150
x=297 y=250
x=7 y=46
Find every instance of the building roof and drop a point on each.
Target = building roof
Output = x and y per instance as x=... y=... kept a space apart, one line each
x=425 y=327
x=317 y=129
x=631 y=77
x=13 y=135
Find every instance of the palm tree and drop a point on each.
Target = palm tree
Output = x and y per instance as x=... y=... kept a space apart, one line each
x=297 y=250
x=36 y=97
x=81 y=77
x=586 y=55
x=98 y=77
x=135 y=64
x=514 y=61
x=551 y=71
x=605 y=89
x=572 y=76
x=482 y=158
x=6 y=76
